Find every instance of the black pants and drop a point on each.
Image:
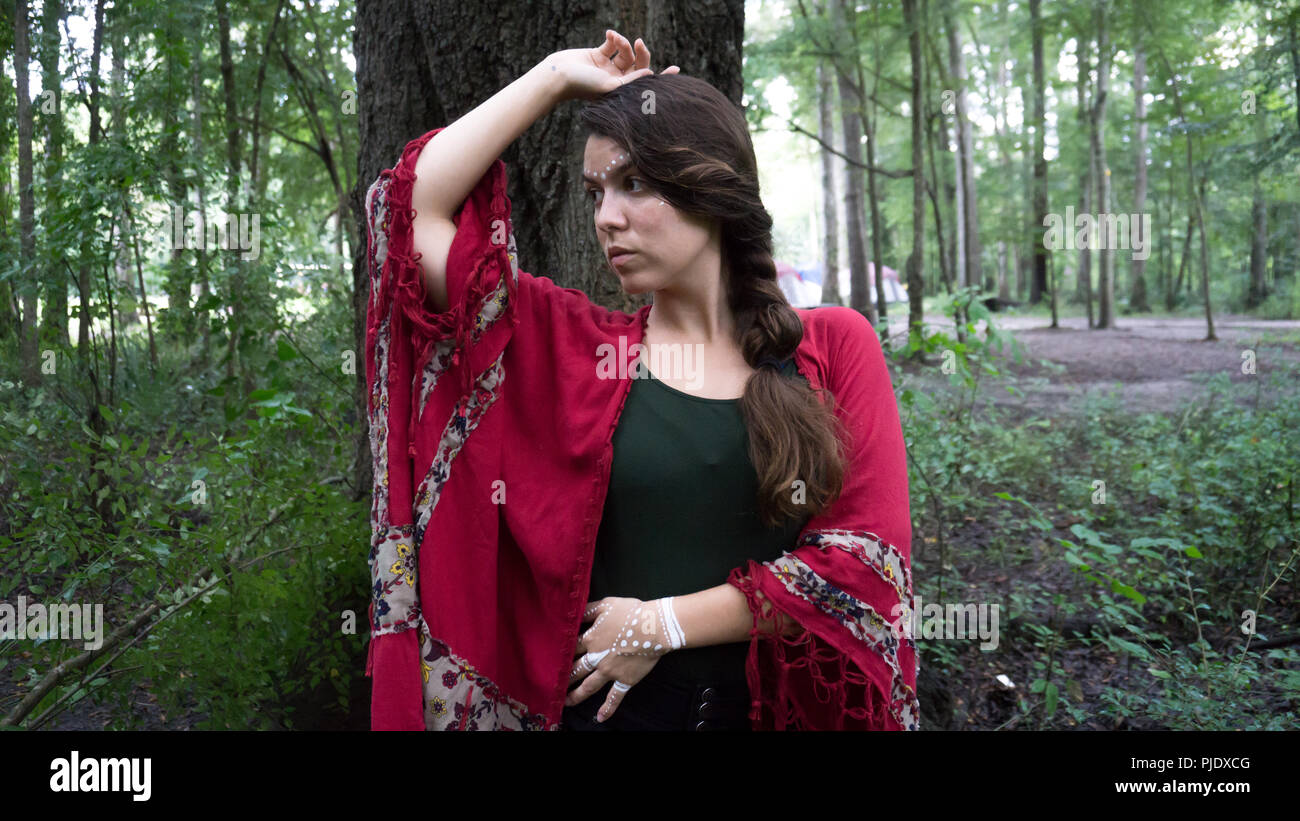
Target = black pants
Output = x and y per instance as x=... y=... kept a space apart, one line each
x=666 y=706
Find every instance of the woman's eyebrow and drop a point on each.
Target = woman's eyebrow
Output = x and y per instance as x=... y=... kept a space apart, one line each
x=615 y=167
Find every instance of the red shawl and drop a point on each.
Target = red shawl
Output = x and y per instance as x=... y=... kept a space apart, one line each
x=492 y=443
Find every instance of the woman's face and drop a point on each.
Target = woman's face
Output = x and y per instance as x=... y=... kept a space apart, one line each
x=666 y=244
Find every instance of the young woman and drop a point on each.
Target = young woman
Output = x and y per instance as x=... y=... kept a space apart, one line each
x=691 y=517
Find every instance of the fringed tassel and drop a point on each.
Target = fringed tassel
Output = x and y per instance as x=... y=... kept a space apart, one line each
x=802 y=682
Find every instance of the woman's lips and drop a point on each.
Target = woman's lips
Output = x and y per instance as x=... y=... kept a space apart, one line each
x=621 y=257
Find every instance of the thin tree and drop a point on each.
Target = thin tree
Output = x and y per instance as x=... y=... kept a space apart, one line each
x=1105 y=254
x=830 y=216
x=1039 y=281
x=27 y=332
x=1138 y=295
x=915 y=260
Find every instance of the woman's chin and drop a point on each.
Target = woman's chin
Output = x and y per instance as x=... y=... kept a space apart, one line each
x=633 y=284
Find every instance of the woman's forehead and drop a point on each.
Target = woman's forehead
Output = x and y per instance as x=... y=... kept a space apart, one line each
x=602 y=146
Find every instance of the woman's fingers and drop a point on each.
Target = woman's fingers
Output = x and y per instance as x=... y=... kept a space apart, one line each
x=609 y=47
x=585 y=665
x=591 y=684
x=629 y=57
x=615 y=698
x=625 y=58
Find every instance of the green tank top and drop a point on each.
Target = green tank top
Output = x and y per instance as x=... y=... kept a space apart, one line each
x=681 y=513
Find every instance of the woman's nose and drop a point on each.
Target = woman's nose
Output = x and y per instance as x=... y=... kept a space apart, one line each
x=609 y=214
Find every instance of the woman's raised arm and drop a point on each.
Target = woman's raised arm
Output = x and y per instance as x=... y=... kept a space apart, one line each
x=456 y=158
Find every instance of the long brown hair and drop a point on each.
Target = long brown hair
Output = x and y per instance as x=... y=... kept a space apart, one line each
x=693 y=145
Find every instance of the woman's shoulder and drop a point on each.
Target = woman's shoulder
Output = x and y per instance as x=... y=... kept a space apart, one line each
x=830 y=328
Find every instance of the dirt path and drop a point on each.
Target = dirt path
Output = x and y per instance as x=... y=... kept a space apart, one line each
x=1149 y=364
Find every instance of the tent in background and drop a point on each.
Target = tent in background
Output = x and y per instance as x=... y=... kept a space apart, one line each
x=802 y=286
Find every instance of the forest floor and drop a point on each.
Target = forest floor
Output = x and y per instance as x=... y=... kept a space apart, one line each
x=1146 y=364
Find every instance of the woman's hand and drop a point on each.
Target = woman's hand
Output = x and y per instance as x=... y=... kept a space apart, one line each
x=589 y=73
x=623 y=646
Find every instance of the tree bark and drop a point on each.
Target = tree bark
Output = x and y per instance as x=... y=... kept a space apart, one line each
x=934 y=119
x=1084 y=290
x=236 y=296
x=871 y=119
x=830 y=218
x=1105 y=254
x=29 y=273
x=951 y=185
x=972 y=274
x=54 y=324
x=1197 y=198
x=203 y=312
x=915 y=260
x=1257 y=292
x=1138 y=295
x=1039 y=282
x=854 y=185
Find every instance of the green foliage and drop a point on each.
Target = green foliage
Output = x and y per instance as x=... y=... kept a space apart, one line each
x=238 y=530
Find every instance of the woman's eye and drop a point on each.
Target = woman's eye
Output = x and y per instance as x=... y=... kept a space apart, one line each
x=593 y=194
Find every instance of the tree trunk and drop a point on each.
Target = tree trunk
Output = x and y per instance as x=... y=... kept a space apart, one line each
x=54 y=324
x=29 y=272
x=1105 y=254
x=1039 y=283
x=855 y=211
x=970 y=257
x=871 y=119
x=1138 y=296
x=830 y=219
x=1258 y=290
x=935 y=119
x=1198 y=212
x=203 y=312
x=915 y=260
x=178 y=279
x=1083 y=292
x=86 y=359
x=1004 y=162
x=236 y=297
x=949 y=243
x=127 y=313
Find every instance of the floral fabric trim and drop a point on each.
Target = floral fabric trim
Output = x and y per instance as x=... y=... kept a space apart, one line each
x=395 y=605
x=459 y=697
x=879 y=555
x=464 y=419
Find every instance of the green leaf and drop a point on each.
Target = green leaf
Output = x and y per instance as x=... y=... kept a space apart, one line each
x=1132 y=593
x=1131 y=648
x=284 y=350
x=1051 y=696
